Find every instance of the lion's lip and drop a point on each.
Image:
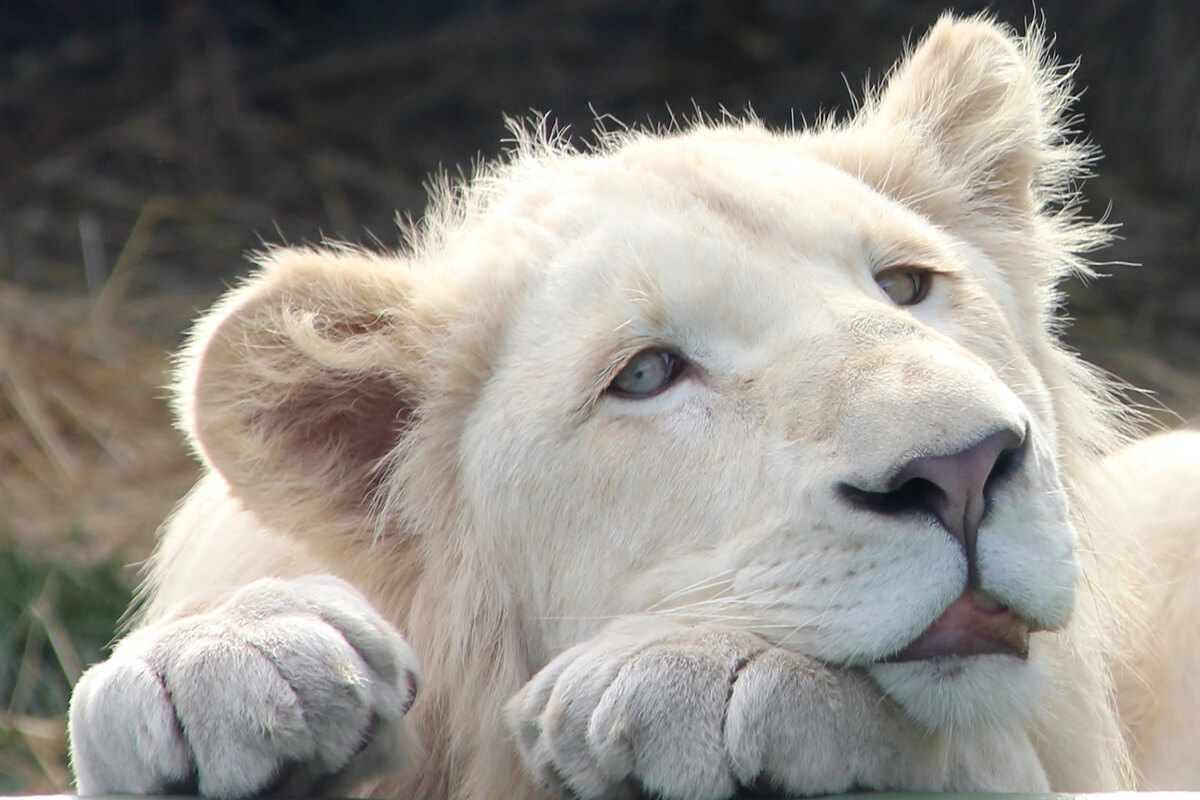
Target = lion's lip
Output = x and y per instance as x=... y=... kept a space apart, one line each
x=974 y=624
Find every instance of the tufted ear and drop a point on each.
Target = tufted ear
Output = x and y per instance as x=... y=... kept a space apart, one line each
x=300 y=382
x=972 y=120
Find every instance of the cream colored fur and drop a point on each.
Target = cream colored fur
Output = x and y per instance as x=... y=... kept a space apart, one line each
x=609 y=594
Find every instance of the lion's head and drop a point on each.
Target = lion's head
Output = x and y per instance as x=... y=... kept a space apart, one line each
x=801 y=383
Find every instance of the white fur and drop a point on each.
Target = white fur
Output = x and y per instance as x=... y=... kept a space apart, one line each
x=307 y=677
x=611 y=594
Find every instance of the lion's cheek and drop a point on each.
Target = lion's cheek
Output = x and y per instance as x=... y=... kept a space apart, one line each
x=846 y=591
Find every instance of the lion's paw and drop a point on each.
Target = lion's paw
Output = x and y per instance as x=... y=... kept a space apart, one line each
x=287 y=684
x=610 y=715
x=700 y=713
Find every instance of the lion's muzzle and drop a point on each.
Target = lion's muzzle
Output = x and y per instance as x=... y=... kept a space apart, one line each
x=955 y=488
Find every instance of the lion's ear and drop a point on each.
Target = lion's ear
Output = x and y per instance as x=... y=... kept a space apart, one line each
x=975 y=119
x=300 y=382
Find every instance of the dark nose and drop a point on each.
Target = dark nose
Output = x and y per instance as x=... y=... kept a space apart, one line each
x=954 y=488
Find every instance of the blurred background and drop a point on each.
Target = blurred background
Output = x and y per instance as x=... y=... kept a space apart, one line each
x=145 y=146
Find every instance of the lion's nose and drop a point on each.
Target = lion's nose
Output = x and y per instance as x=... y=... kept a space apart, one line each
x=954 y=488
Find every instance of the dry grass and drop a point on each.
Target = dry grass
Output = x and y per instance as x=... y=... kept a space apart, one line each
x=88 y=461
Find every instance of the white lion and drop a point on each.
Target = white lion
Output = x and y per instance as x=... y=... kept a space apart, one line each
x=701 y=460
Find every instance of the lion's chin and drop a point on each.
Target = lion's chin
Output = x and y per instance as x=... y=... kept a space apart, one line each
x=964 y=693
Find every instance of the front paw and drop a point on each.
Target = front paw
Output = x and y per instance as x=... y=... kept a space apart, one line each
x=288 y=684
x=700 y=713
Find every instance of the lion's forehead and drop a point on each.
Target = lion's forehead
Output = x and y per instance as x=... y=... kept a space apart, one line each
x=743 y=190
x=688 y=238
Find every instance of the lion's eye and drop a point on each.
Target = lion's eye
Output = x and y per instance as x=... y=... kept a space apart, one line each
x=646 y=374
x=904 y=285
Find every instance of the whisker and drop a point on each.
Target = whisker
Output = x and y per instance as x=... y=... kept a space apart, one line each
x=698 y=586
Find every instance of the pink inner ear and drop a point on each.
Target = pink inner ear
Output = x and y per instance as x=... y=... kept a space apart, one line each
x=356 y=424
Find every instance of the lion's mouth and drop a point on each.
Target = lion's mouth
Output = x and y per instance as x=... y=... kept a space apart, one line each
x=974 y=624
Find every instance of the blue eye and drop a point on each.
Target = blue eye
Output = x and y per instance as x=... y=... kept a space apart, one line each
x=905 y=286
x=646 y=374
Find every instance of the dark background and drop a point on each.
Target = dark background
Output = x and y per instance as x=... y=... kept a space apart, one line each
x=145 y=146
x=230 y=123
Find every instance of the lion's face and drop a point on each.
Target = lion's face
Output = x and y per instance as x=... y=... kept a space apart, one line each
x=779 y=401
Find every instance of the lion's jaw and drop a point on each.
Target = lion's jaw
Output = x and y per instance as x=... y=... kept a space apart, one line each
x=721 y=499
